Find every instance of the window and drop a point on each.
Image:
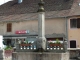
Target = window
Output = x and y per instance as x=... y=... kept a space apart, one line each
x=75 y=23
x=73 y=44
x=9 y=27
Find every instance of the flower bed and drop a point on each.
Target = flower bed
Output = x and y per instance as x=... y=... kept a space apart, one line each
x=8 y=53
x=54 y=44
x=25 y=44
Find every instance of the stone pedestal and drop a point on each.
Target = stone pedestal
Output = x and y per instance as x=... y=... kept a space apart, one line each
x=39 y=56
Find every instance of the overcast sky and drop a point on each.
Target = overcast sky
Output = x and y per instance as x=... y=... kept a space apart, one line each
x=3 y=1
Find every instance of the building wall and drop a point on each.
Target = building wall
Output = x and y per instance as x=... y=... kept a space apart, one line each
x=74 y=34
x=56 y=25
x=2 y=28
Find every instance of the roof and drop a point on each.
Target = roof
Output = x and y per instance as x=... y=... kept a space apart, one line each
x=31 y=6
x=54 y=35
x=27 y=10
x=75 y=9
x=32 y=16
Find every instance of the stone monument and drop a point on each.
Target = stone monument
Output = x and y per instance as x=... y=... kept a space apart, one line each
x=40 y=53
x=41 y=42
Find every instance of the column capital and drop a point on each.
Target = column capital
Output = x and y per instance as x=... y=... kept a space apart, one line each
x=41 y=8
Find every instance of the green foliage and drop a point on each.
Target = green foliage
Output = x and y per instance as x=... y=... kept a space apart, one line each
x=8 y=48
x=57 y=41
x=26 y=41
x=51 y=42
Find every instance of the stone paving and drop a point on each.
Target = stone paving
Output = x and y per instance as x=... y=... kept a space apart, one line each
x=7 y=58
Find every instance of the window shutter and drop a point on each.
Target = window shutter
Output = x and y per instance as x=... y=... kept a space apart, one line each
x=73 y=23
x=78 y=23
x=9 y=27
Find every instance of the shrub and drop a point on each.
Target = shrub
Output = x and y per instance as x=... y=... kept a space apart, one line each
x=8 y=48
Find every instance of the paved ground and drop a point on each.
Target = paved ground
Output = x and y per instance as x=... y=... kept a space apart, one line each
x=7 y=58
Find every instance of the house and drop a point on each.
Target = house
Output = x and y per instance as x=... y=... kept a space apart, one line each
x=19 y=19
x=74 y=29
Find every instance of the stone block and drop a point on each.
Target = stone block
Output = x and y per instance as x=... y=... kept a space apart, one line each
x=1 y=58
x=40 y=56
x=1 y=54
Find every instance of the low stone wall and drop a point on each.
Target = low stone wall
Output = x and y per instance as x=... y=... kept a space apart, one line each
x=39 y=56
x=1 y=54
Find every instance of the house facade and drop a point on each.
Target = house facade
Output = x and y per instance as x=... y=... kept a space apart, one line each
x=17 y=29
x=74 y=26
x=73 y=32
x=52 y=26
x=60 y=18
x=19 y=20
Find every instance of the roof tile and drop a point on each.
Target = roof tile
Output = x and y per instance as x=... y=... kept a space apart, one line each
x=31 y=6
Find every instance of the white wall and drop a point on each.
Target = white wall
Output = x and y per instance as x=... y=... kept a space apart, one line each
x=1 y=40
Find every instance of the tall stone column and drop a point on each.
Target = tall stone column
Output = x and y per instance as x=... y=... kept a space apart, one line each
x=41 y=26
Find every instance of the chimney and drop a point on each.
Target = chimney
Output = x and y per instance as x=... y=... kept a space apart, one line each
x=20 y=1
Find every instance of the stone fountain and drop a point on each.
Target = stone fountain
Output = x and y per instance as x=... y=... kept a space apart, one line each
x=41 y=52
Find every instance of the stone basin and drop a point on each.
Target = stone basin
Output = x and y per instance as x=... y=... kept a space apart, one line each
x=39 y=56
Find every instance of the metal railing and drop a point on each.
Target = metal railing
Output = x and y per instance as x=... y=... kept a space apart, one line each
x=33 y=47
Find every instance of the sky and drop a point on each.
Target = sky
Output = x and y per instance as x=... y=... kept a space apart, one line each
x=3 y=1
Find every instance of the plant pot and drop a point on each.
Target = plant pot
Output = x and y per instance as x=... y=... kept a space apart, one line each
x=53 y=44
x=8 y=51
x=25 y=44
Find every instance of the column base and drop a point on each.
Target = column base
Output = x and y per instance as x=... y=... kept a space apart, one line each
x=41 y=44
